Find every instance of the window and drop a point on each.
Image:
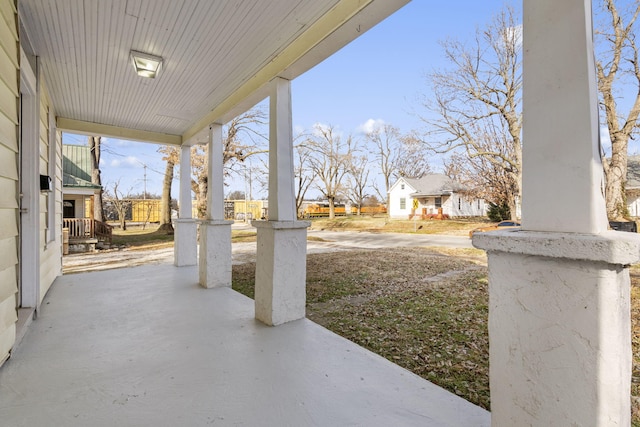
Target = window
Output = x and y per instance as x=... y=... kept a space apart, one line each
x=438 y=202
x=478 y=203
x=459 y=204
x=402 y=186
x=403 y=203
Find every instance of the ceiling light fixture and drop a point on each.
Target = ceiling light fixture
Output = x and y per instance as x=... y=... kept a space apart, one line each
x=146 y=65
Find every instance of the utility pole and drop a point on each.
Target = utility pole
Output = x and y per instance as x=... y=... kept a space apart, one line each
x=144 y=194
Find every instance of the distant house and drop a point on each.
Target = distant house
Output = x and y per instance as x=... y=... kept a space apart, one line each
x=632 y=186
x=77 y=190
x=78 y=195
x=425 y=196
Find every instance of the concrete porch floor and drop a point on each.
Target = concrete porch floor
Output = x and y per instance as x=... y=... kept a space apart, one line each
x=146 y=346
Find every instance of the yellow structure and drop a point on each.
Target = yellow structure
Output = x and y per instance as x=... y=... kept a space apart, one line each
x=145 y=210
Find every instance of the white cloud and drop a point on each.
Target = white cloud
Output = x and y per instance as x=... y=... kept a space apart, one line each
x=371 y=125
x=126 y=162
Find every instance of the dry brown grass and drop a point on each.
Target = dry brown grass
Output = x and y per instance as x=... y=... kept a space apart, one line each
x=460 y=227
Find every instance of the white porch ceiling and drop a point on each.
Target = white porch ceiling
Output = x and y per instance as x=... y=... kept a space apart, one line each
x=218 y=56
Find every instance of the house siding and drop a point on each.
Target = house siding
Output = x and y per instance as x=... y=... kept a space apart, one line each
x=463 y=206
x=9 y=212
x=395 y=194
x=453 y=204
x=50 y=230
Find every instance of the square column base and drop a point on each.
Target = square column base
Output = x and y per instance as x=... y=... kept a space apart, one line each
x=559 y=327
x=281 y=271
x=214 y=268
x=185 y=246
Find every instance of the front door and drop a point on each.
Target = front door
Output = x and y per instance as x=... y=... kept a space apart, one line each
x=29 y=177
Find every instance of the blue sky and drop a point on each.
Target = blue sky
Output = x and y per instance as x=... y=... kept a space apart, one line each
x=380 y=76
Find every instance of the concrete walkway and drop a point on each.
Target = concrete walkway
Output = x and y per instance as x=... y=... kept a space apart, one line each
x=146 y=346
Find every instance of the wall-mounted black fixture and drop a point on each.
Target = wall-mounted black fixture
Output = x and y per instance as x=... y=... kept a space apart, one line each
x=45 y=183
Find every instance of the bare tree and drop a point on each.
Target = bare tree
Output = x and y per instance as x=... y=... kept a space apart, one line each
x=304 y=174
x=236 y=195
x=243 y=137
x=199 y=178
x=481 y=178
x=94 y=149
x=386 y=147
x=478 y=101
x=171 y=155
x=330 y=160
x=618 y=69
x=121 y=202
x=358 y=181
x=411 y=159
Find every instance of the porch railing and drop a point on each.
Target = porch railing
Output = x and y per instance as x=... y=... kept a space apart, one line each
x=87 y=228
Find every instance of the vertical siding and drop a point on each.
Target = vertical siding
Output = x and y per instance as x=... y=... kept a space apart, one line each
x=50 y=250
x=9 y=93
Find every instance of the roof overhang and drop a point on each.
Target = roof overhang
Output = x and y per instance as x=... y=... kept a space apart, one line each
x=218 y=58
x=440 y=194
x=78 y=191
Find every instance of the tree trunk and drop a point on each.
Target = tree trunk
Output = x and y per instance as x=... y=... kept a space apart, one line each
x=332 y=208
x=201 y=199
x=123 y=220
x=616 y=174
x=165 y=203
x=94 y=146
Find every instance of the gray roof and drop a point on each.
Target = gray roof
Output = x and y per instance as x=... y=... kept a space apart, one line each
x=633 y=173
x=436 y=184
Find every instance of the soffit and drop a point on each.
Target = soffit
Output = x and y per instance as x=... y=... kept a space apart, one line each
x=211 y=49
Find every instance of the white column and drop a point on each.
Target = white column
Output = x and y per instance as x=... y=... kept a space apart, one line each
x=186 y=231
x=280 y=294
x=562 y=172
x=559 y=322
x=215 y=233
x=282 y=204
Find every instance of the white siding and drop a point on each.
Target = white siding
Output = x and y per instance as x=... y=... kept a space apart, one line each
x=9 y=70
x=633 y=205
x=396 y=193
x=50 y=250
x=466 y=206
x=454 y=205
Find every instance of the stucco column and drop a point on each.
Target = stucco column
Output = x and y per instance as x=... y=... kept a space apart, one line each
x=559 y=320
x=215 y=233
x=185 y=246
x=280 y=294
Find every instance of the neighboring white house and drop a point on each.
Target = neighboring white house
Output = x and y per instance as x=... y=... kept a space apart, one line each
x=632 y=186
x=426 y=195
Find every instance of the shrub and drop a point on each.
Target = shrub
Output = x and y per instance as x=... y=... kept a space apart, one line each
x=498 y=212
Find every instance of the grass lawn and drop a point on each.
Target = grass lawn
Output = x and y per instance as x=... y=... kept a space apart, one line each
x=423 y=310
x=384 y=225
x=136 y=236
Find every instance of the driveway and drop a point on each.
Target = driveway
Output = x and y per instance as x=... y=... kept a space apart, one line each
x=245 y=251
x=368 y=240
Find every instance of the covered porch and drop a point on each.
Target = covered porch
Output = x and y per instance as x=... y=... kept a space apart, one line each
x=149 y=346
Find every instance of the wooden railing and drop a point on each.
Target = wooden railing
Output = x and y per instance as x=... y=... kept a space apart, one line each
x=87 y=228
